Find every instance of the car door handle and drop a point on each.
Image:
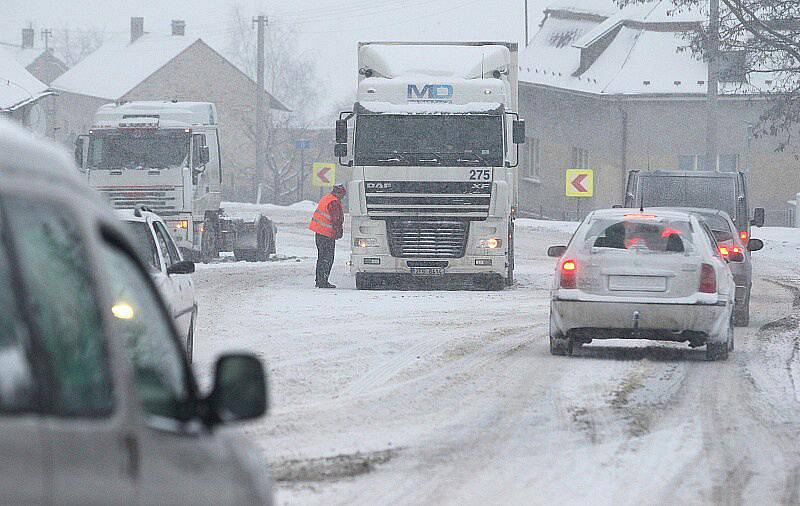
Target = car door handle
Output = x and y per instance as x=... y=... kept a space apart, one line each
x=133 y=463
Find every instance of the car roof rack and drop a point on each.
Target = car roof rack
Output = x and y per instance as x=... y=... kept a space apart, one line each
x=138 y=209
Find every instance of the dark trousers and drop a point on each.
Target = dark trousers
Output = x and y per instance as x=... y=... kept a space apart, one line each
x=326 y=248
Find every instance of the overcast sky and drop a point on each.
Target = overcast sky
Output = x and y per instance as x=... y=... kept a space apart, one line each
x=327 y=29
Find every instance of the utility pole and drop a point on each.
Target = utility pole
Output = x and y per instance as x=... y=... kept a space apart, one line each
x=526 y=23
x=261 y=22
x=712 y=113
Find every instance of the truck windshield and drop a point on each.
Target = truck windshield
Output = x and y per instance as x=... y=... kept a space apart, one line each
x=696 y=191
x=143 y=149
x=454 y=140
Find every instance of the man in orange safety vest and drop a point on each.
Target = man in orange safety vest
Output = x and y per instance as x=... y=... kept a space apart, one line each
x=326 y=223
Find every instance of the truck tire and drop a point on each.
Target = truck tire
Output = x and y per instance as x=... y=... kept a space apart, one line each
x=496 y=283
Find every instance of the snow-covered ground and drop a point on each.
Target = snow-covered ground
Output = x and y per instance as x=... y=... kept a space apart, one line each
x=387 y=397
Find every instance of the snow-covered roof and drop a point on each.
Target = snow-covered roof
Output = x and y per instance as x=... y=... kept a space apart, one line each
x=593 y=7
x=120 y=65
x=24 y=55
x=18 y=87
x=639 y=50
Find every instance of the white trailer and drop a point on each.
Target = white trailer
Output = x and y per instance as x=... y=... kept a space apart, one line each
x=166 y=156
x=434 y=151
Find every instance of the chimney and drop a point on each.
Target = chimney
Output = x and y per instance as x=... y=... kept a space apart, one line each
x=137 y=28
x=178 y=27
x=28 y=37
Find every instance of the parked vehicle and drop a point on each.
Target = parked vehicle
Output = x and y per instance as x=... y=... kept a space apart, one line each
x=436 y=143
x=737 y=253
x=171 y=273
x=166 y=155
x=98 y=403
x=725 y=191
x=655 y=275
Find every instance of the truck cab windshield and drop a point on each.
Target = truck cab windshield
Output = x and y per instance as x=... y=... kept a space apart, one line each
x=133 y=149
x=465 y=140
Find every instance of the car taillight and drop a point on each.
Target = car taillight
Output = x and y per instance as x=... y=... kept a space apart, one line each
x=708 y=279
x=569 y=272
x=744 y=236
x=724 y=251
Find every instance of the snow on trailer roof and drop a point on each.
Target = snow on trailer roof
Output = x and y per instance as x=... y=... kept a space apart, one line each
x=174 y=114
x=639 y=50
x=18 y=87
x=444 y=60
x=432 y=108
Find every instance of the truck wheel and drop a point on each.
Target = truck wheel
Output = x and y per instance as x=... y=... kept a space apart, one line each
x=265 y=243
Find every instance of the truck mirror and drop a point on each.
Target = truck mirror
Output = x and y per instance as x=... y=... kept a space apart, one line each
x=341 y=131
x=518 y=131
x=340 y=150
x=759 y=216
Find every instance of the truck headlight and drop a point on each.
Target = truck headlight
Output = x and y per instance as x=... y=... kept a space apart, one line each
x=492 y=243
x=361 y=242
x=184 y=224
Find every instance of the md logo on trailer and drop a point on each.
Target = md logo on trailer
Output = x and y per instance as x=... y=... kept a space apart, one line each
x=430 y=93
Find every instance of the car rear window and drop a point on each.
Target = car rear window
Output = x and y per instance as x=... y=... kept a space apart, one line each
x=643 y=235
x=689 y=191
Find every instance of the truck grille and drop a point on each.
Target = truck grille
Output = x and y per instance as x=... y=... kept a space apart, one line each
x=427 y=238
x=388 y=199
x=161 y=199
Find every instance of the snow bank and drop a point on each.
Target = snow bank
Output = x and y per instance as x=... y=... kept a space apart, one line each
x=247 y=207
x=780 y=243
x=564 y=227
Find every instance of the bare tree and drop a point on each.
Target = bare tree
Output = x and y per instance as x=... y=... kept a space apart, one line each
x=759 y=37
x=72 y=45
x=291 y=78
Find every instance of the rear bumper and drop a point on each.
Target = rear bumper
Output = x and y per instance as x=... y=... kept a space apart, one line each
x=658 y=321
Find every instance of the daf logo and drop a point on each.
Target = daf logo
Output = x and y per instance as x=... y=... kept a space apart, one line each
x=379 y=186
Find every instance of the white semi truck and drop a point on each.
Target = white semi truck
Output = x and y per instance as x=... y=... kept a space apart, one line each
x=434 y=149
x=166 y=156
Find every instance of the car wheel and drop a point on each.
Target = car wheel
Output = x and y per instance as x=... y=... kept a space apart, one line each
x=559 y=345
x=719 y=350
x=741 y=317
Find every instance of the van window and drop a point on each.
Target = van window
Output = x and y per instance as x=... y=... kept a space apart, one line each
x=63 y=308
x=692 y=191
x=161 y=376
x=17 y=388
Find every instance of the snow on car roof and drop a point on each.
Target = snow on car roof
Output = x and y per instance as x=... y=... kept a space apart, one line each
x=120 y=65
x=23 y=151
x=17 y=86
x=655 y=212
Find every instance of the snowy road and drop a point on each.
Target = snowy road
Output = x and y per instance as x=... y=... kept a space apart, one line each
x=452 y=397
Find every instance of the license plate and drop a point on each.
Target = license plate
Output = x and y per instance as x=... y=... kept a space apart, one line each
x=427 y=271
x=637 y=283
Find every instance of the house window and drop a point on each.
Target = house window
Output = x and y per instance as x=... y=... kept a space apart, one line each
x=727 y=163
x=580 y=158
x=534 y=165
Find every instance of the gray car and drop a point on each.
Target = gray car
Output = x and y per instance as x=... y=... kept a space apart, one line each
x=735 y=247
x=98 y=404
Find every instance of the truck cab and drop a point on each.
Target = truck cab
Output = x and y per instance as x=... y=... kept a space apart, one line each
x=435 y=146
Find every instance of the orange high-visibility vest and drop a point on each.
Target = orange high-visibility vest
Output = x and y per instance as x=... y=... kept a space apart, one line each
x=321 y=222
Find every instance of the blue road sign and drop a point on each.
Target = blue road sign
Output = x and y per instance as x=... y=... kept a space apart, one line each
x=302 y=144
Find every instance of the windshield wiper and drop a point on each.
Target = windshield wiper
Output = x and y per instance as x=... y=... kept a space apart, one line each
x=394 y=158
x=435 y=157
x=478 y=158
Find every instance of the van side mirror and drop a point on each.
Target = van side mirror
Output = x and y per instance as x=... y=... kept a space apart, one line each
x=755 y=245
x=341 y=131
x=518 y=131
x=556 y=251
x=240 y=389
x=759 y=216
x=340 y=150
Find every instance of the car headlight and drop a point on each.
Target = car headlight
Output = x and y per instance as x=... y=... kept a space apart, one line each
x=491 y=243
x=361 y=242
